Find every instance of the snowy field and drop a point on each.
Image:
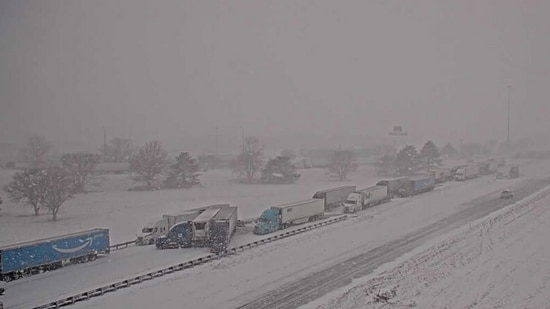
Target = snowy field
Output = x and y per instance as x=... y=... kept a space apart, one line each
x=230 y=282
x=500 y=261
x=125 y=213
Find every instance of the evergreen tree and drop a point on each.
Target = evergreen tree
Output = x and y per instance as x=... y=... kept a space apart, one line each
x=449 y=151
x=406 y=160
x=430 y=155
x=280 y=170
x=184 y=173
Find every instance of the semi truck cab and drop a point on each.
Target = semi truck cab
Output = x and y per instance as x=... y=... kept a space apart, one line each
x=151 y=232
x=353 y=203
x=268 y=222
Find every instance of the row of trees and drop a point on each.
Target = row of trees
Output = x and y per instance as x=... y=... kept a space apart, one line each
x=47 y=185
x=409 y=160
x=150 y=163
x=250 y=164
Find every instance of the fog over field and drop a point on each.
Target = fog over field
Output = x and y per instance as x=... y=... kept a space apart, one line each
x=296 y=74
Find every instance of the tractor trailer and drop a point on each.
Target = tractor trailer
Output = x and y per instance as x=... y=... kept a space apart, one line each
x=466 y=172
x=393 y=185
x=51 y=253
x=365 y=198
x=222 y=227
x=334 y=197
x=281 y=217
x=417 y=185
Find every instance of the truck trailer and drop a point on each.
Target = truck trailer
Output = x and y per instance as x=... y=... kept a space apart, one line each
x=365 y=198
x=334 y=197
x=201 y=227
x=393 y=185
x=466 y=172
x=181 y=234
x=281 y=217
x=157 y=229
x=32 y=257
x=441 y=174
x=417 y=185
x=222 y=227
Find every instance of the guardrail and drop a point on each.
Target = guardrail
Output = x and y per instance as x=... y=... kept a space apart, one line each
x=67 y=301
x=122 y=245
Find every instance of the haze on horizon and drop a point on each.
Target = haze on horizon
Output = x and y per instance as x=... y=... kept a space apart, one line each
x=302 y=71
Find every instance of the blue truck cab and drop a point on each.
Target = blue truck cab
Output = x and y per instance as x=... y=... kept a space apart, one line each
x=268 y=222
x=179 y=236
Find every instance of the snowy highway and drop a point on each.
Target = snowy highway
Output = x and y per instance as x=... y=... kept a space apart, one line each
x=389 y=230
x=318 y=284
x=374 y=236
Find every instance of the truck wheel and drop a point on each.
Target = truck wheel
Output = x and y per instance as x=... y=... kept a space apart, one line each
x=151 y=241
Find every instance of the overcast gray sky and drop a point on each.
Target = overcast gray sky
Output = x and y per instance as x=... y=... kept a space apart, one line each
x=308 y=70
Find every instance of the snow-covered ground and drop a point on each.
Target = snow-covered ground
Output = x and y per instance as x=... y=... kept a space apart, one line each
x=500 y=261
x=125 y=213
x=230 y=282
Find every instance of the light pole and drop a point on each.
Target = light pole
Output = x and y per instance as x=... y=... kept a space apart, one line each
x=508 y=125
x=216 y=141
x=242 y=131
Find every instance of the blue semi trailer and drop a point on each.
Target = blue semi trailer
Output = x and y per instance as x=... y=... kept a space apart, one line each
x=417 y=185
x=50 y=253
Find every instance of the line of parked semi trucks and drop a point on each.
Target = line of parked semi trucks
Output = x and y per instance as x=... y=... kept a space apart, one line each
x=213 y=226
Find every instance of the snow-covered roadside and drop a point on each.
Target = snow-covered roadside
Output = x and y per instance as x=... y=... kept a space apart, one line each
x=497 y=261
x=125 y=213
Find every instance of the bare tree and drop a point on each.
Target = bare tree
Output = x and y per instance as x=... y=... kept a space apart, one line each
x=37 y=148
x=119 y=150
x=148 y=163
x=80 y=166
x=28 y=187
x=59 y=188
x=342 y=163
x=250 y=160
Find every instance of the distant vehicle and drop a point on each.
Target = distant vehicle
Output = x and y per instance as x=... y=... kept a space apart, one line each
x=334 y=197
x=466 y=172
x=488 y=167
x=506 y=194
x=393 y=185
x=441 y=174
x=417 y=185
x=514 y=171
x=281 y=217
x=222 y=227
x=368 y=197
x=51 y=253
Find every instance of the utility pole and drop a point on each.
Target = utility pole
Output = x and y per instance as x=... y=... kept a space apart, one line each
x=216 y=147
x=104 y=144
x=508 y=126
x=242 y=131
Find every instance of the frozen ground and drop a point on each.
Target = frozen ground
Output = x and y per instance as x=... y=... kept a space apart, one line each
x=125 y=213
x=240 y=279
x=500 y=261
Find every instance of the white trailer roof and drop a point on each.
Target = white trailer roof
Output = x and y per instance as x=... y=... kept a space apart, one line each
x=225 y=213
x=207 y=215
x=297 y=203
